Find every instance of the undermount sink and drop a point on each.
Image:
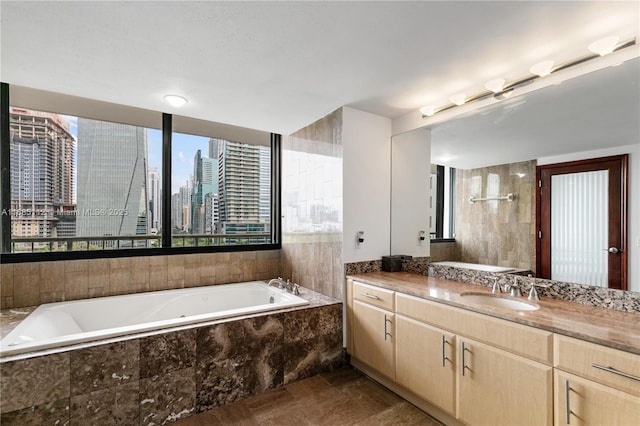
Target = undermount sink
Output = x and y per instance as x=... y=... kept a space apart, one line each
x=498 y=301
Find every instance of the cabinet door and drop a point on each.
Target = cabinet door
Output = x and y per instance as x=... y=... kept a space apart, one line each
x=499 y=388
x=582 y=402
x=374 y=337
x=425 y=362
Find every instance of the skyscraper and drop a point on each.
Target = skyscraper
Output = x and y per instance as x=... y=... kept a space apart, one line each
x=42 y=173
x=112 y=179
x=154 y=195
x=204 y=182
x=239 y=189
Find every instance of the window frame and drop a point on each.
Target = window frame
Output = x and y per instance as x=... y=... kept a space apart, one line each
x=440 y=205
x=118 y=113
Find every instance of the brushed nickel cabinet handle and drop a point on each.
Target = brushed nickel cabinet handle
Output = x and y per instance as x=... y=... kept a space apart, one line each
x=463 y=366
x=370 y=296
x=614 y=371
x=444 y=356
x=567 y=407
x=386 y=333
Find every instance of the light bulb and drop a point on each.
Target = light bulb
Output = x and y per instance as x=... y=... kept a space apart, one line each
x=458 y=99
x=542 y=69
x=428 y=110
x=495 y=85
x=604 y=46
x=176 y=100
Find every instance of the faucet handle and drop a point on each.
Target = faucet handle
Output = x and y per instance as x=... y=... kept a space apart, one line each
x=533 y=293
x=496 y=286
x=296 y=289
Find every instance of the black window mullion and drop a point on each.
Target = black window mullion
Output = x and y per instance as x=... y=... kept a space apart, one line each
x=5 y=172
x=167 y=129
x=276 y=230
x=439 y=201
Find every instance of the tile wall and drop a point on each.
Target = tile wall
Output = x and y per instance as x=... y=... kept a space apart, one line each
x=497 y=232
x=312 y=206
x=28 y=284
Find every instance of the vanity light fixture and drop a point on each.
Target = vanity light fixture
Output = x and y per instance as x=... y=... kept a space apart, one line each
x=604 y=46
x=176 y=100
x=500 y=89
x=458 y=98
x=542 y=69
x=428 y=110
x=496 y=85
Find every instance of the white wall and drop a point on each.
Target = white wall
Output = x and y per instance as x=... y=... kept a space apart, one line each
x=410 y=170
x=366 y=172
x=634 y=199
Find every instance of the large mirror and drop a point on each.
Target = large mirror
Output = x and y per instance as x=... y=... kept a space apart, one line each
x=496 y=149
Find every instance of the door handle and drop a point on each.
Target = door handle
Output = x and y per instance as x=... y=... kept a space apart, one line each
x=613 y=250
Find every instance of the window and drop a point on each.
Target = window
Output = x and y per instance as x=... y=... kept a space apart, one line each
x=94 y=183
x=442 y=202
x=220 y=192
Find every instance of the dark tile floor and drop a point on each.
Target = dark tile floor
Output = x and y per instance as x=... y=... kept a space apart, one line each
x=342 y=397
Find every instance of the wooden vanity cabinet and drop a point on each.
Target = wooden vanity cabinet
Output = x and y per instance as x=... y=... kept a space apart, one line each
x=373 y=328
x=496 y=387
x=425 y=362
x=484 y=380
x=595 y=385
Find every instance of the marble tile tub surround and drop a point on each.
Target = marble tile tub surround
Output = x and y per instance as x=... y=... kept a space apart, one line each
x=618 y=300
x=29 y=284
x=157 y=378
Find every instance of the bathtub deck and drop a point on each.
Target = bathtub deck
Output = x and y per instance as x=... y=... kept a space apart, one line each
x=341 y=397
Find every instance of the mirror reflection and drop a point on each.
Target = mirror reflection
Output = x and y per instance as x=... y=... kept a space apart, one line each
x=496 y=151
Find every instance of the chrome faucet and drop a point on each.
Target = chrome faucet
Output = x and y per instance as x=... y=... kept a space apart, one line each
x=496 y=286
x=279 y=282
x=285 y=285
x=514 y=289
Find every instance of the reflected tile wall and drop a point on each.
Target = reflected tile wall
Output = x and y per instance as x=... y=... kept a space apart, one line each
x=312 y=206
x=497 y=232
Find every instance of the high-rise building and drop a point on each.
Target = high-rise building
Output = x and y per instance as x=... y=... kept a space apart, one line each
x=239 y=189
x=185 y=199
x=42 y=174
x=112 y=179
x=205 y=181
x=154 y=195
x=265 y=186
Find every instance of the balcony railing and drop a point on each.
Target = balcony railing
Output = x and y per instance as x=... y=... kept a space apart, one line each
x=58 y=244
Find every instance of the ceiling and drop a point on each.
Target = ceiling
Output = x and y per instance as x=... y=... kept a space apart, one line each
x=279 y=66
x=590 y=112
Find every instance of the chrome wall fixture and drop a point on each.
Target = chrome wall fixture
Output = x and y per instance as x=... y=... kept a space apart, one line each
x=499 y=89
x=508 y=197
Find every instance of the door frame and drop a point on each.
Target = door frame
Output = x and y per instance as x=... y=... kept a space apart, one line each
x=543 y=210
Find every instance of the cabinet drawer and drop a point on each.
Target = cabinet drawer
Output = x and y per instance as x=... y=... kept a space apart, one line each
x=520 y=339
x=611 y=367
x=375 y=296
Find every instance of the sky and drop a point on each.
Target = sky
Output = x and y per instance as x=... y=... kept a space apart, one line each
x=184 y=148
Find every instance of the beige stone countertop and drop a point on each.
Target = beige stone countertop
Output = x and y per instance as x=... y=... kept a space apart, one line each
x=615 y=329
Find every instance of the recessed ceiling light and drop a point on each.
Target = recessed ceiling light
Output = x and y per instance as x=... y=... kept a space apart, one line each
x=542 y=69
x=458 y=99
x=495 y=85
x=176 y=100
x=604 y=46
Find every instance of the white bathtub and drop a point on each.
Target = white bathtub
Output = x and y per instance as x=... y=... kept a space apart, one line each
x=58 y=324
x=475 y=266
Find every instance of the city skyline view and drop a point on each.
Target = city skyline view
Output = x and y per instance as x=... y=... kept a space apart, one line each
x=82 y=178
